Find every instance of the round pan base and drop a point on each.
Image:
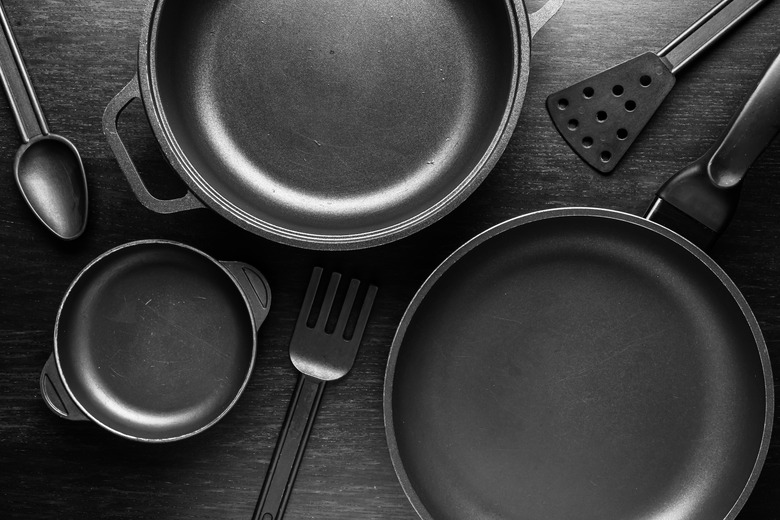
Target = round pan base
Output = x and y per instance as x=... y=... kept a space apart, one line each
x=578 y=364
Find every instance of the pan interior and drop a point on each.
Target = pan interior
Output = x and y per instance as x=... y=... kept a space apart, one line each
x=155 y=341
x=331 y=117
x=577 y=367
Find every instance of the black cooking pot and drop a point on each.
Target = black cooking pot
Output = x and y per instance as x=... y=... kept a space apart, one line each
x=329 y=125
x=155 y=341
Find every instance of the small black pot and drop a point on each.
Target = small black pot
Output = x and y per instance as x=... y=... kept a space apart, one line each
x=155 y=341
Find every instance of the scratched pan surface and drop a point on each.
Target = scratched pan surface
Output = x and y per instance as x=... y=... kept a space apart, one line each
x=155 y=341
x=578 y=364
x=334 y=124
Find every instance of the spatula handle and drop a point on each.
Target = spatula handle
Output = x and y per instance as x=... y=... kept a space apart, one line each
x=289 y=449
x=707 y=30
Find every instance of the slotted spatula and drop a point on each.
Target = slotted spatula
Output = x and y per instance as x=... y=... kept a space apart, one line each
x=320 y=355
x=601 y=116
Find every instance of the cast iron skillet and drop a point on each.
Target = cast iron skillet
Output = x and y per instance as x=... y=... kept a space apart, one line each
x=329 y=125
x=590 y=364
x=155 y=341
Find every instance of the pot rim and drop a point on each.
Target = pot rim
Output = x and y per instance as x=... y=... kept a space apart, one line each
x=85 y=410
x=521 y=42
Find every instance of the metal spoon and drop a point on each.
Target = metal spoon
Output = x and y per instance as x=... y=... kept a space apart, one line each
x=47 y=168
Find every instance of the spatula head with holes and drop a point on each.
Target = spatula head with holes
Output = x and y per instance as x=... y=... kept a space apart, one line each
x=601 y=116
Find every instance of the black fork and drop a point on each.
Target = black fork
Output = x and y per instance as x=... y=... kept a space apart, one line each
x=319 y=356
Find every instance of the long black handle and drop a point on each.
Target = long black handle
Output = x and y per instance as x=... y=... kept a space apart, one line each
x=699 y=201
x=289 y=449
x=21 y=96
x=750 y=132
x=706 y=31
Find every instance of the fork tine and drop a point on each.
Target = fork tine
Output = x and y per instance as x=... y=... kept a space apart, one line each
x=327 y=303
x=346 y=309
x=308 y=300
x=368 y=302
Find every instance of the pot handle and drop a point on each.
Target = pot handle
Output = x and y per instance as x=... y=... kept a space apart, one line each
x=56 y=396
x=537 y=19
x=254 y=285
x=114 y=109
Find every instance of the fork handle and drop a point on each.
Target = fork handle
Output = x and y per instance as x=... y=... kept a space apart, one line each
x=289 y=449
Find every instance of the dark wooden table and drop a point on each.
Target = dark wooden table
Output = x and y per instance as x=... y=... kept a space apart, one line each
x=81 y=52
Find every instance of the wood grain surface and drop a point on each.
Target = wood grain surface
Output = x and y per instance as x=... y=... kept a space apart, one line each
x=79 y=54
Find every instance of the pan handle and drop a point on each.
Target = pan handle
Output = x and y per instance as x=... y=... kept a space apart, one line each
x=55 y=395
x=750 y=132
x=254 y=286
x=537 y=19
x=115 y=107
x=703 y=196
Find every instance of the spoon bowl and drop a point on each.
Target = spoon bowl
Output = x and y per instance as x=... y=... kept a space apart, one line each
x=50 y=175
x=48 y=168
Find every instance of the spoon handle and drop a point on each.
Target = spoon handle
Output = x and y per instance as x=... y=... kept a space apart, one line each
x=21 y=96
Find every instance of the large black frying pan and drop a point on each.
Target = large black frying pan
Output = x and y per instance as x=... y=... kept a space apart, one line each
x=155 y=341
x=329 y=125
x=590 y=364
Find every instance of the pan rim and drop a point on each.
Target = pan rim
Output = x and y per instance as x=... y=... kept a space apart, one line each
x=176 y=157
x=83 y=272
x=575 y=211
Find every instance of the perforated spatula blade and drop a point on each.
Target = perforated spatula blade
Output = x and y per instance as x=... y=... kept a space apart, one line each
x=600 y=117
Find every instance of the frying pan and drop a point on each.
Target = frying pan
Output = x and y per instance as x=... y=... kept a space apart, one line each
x=329 y=125
x=155 y=341
x=587 y=363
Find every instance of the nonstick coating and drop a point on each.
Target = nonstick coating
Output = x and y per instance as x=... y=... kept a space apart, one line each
x=315 y=119
x=584 y=364
x=154 y=341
